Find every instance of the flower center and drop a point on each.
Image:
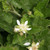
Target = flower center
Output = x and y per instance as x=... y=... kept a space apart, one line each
x=34 y=48
x=23 y=27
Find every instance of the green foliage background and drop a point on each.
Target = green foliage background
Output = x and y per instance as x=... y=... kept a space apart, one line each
x=39 y=21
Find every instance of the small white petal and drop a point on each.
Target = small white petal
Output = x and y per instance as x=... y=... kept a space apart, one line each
x=18 y=22
x=27 y=44
x=16 y=29
x=37 y=43
x=24 y=32
x=30 y=48
x=28 y=28
x=26 y=22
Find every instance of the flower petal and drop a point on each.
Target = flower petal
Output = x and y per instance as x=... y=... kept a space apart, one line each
x=30 y=49
x=16 y=29
x=28 y=28
x=37 y=43
x=24 y=32
x=27 y=43
x=26 y=22
x=18 y=22
x=33 y=44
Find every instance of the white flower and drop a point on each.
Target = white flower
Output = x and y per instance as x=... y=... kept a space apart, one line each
x=21 y=27
x=34 y=46
x=27 y=43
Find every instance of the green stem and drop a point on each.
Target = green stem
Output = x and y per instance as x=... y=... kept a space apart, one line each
x=14 y=11
x=25 y=35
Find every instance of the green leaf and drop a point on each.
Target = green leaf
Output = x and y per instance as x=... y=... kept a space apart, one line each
x=6 y=16
x=24 y=4
x=14 y=39
x=6 y=26
x=42 y=35
x=15 y=4
x=35 y=30
x=46 y=12
x=26 y=18
x=6 y=6
x=18 y=39
x=9 y=48
x=44 y=22
x=42 y=4
x=9 y=39
x=38 y=13
x=1 y=39
x=39 y=21
x=22 y=48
